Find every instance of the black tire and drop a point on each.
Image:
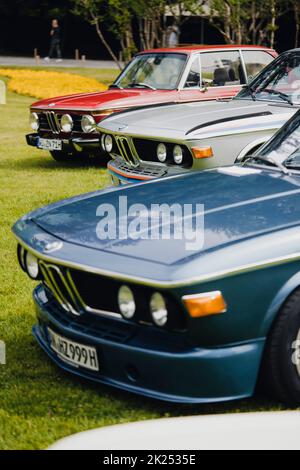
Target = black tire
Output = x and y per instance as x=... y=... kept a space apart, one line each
x=280 y=374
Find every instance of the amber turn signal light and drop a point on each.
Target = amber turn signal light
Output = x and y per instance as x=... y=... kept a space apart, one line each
x=203 y=305
x=202 y=152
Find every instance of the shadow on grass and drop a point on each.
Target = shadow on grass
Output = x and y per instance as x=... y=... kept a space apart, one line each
x=61 y=392
x=47 y=163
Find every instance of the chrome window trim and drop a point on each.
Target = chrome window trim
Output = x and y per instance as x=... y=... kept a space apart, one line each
x=167 y=284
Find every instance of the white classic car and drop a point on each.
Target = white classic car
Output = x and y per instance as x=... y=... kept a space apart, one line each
x=163 y=140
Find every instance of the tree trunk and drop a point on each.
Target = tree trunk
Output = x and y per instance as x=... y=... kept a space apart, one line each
x=105 y=43
x=273 y=23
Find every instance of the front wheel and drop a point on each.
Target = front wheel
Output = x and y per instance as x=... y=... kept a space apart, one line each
x=281 y=368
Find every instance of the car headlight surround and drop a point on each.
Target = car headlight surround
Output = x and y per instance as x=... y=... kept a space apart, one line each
x=32 y=265
x=108 y=143
x=161 y=152
x=126 y=302
x=158 y=309
x=66 y=123
x=34 y=121
x=88 y=124
x=178 y=155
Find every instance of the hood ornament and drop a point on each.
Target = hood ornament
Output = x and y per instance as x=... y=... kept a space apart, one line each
x=122 y=127
x=52 y=246
x=51 y=105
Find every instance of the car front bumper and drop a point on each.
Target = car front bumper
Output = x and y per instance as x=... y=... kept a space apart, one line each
x=151 y=367
x=74 y=144
x=122 y=173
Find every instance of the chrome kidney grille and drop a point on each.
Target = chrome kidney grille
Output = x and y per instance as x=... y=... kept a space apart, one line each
x=127 y=150
x=53 y=121
x=60 y=282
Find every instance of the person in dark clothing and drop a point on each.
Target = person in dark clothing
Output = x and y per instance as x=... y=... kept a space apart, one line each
x=55 y=42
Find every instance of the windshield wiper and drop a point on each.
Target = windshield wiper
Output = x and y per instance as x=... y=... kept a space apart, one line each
x=268 y=161
x=252 y=92
x=115 y=85
x=140 y=84
x=283 y=96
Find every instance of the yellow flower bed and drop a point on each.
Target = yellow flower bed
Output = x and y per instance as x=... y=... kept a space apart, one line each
x=44 y=84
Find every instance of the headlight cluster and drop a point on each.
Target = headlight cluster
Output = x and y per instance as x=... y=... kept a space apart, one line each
x=88 y=124
x=107 y=143
x=157 y=306
x=29 y=263
x=177 y=154
x=34 y=121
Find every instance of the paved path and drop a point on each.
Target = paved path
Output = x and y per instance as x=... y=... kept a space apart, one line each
x=30 y=61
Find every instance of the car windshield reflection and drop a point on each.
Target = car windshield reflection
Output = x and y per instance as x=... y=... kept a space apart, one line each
x=279 y=83
x=158 y=71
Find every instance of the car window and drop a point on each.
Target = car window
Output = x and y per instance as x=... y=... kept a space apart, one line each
x=222 y=69
x=255 y=61
x=161 y=71
x=193 y=78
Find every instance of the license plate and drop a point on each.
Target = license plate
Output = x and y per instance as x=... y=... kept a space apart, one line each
x=49 y=144
x=73 y=353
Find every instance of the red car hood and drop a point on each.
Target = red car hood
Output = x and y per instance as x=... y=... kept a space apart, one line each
x=110 y=99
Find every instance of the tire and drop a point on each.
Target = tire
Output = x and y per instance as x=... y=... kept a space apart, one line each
x=281 y=365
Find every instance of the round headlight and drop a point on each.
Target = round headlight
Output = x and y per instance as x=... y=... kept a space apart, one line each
x=161 y=153
x=126 y=302
x=178 y=154
x=66 y=123
x=108 y=143
x=88 y=124
x=158 y=309
x=32 y=265
x=34 y=121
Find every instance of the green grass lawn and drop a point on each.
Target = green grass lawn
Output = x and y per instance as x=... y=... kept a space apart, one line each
x=39 y=403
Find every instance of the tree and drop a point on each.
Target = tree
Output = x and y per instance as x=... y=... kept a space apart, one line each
x=247 y=21
x=95 y=11
x=149 y=15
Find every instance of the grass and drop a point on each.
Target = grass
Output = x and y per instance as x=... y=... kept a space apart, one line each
x=39 y=403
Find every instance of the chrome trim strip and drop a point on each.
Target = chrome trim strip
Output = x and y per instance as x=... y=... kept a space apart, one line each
x=166 y=284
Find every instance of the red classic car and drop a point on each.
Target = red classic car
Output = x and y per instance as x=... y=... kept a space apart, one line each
x=66 y=125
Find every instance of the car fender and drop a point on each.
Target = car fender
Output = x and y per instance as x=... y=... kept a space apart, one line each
x=285 y=291
x=252 y=146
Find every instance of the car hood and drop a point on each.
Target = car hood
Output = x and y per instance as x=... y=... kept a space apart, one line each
x=110 y=99
x=191 y=120
x=239 y=204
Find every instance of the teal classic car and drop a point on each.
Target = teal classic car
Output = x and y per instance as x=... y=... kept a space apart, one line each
x=158 y=317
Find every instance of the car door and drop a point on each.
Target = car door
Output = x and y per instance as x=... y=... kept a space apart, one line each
x=222 y=73
x=255 y=61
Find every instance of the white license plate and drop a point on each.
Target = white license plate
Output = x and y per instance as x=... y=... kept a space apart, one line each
x=49 y=144
x=73 y=353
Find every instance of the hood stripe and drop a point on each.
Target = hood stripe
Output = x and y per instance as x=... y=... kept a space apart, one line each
x=228 y=119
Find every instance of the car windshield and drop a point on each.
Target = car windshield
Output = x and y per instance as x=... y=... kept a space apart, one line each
x=283 y=150
x=279 y=82
x=158 y=71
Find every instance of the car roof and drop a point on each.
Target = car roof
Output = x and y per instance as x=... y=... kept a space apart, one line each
x=189 y=49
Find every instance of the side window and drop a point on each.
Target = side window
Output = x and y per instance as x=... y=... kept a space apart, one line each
x=222 y=69
x=193 y=79
x=255 y=61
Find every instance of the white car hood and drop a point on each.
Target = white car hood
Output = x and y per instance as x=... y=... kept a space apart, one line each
x=193 y=120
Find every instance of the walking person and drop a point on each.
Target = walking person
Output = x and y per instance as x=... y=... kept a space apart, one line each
x=55 y=42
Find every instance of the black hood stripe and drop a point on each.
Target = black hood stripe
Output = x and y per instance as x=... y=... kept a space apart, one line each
x=229 y=119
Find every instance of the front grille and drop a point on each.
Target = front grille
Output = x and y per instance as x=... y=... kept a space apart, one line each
x=126 y=150
x=147 y=171
x=79 y=292
x=50 y=122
